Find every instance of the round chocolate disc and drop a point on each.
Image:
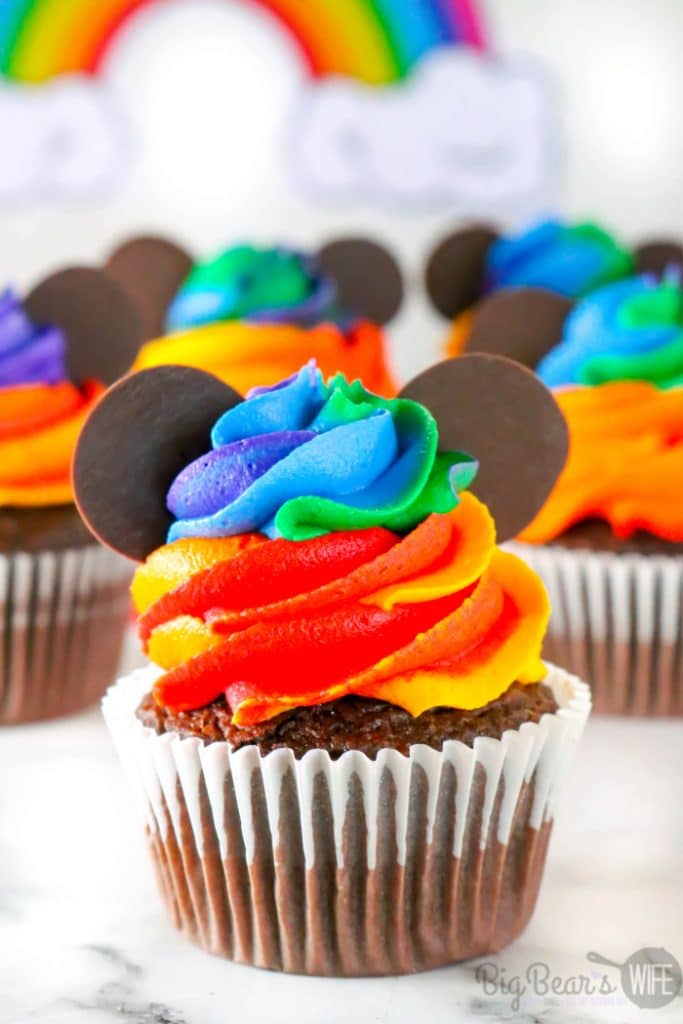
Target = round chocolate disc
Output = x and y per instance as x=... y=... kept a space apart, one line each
x=521 y=323
x=150 y=270
x=454 y=274
x=368 y=279
x=502 y=414
x=658 y=256
x=138 y=437
x=102 y=326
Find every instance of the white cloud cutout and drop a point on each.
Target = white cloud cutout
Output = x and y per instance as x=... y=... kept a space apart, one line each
x=65 y=138
x=463 y=127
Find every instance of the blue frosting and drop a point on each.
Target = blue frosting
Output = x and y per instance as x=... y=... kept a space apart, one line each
x=629 y=329
x=306 y=457
x=569 y=260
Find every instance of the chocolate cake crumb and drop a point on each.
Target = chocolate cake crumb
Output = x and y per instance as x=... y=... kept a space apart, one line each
x=355 y=723
x=597 y=535
x=52 y=528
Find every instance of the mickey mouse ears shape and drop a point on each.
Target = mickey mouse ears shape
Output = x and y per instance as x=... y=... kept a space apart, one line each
x=520 y=323
x=455 y=270
x=659 y=255
x=152 y=424
x=368 y=279
x=502 y=414
x=101 y=325
x=150 y=269
x=135 y=442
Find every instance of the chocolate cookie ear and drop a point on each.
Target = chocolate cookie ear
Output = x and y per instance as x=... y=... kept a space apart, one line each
x=503 y=415
x=138 y=437
x=656 y=256
x=520 y=323
x=455 y=269
x=150 y=269
x=101 y=325
x=368 y=278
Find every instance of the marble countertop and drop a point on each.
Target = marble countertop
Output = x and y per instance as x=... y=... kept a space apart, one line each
x=84 y=939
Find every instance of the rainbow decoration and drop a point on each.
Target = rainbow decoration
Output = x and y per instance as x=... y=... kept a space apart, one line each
x=374 y=41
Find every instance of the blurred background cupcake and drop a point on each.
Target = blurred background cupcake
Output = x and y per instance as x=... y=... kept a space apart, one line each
x=473 y=262
x=346 y=730
x=64 y=598
x=609 y=541
x=253 y=315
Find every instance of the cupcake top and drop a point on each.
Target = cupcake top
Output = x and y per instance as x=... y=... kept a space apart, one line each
x=253 y=315
x=570 y=259
x=44 y=399
x=567 y=260
x=266 y=285
x=321 y=541
x=629 y=330
x=618 y=371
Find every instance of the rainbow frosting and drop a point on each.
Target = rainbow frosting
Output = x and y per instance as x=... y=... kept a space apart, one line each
x=625 y=462
x=629 y=330
x=274 y=285
x=568 y=259
x=41 y=412
x=381 y=576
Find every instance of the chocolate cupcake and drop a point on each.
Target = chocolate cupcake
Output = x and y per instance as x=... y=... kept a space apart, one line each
x=253 y=315
x=64 y=598
x=346 y=748
x=609 y=541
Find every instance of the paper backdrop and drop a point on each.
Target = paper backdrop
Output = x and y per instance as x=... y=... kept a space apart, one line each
x=399 y=102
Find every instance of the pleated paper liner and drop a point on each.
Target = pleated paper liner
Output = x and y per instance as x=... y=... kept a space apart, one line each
x=349 y=866
x=62 y=626
x=617 y=621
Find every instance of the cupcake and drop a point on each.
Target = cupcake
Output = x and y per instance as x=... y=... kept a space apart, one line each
x=64 y=597
x=253 y=315
x=568 y=260
x=346 y=749
x=609 y=540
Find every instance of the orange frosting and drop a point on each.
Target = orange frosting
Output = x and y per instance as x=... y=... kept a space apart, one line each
x=39 y=426
x=217 y=623
x=625 y=462
x=250 y=355
x=459 y=333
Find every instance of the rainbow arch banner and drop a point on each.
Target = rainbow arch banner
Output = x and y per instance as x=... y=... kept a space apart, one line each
x=404 y=103
x=373 y=41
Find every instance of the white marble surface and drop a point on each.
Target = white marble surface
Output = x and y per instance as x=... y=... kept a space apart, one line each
x=84 y=940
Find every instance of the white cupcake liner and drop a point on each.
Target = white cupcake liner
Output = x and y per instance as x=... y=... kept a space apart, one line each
x=350 y=866
x=63 y=619
x=617 y=621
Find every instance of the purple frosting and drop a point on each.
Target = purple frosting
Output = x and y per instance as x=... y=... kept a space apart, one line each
x=218 y=478
x=29 y=354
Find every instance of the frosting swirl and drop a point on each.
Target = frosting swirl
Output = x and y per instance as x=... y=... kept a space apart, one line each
x=304 y=457
x=276 y=285
x=41 y=413
x=28 y=354
x=629 y=330
x=247 y=354
x=378 y=581
x=625 y=462
x=438 y=618
x=568 y=259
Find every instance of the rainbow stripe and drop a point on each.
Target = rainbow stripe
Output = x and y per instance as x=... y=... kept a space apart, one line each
x=376 y=41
